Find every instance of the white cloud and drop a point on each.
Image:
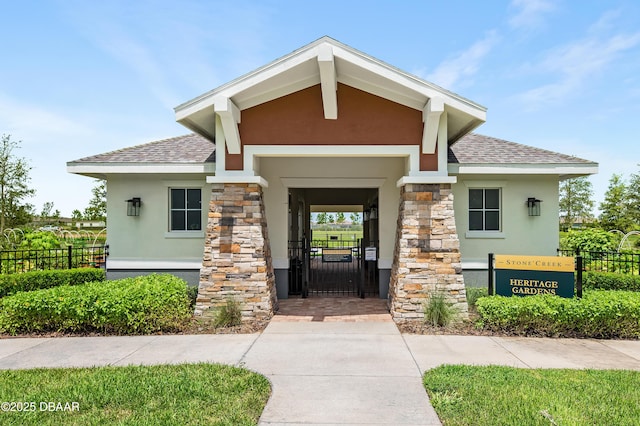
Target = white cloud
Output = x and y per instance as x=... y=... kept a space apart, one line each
x=464 y=65
x=574 y=64
x=30 y=121
x=177 y=47
x=529 y=13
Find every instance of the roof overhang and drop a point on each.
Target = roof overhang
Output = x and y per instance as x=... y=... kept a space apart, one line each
x=101 y=170
x=563 y=171
x=327 y=62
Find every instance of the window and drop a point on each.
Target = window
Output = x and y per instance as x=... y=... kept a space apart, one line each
x=484 y=209
x=186 y=209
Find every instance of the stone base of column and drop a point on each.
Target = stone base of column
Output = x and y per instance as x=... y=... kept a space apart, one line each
x=237 y=257
x=426 y=259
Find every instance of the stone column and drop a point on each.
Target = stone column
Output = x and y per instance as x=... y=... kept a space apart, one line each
x=426 y=258
x=237 y=257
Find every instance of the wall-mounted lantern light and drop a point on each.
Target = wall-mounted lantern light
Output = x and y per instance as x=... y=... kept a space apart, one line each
x=133 y=206
x=533 y=204
x=374 y=212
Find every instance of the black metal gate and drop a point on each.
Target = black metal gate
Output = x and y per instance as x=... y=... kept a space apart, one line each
x=333 y=268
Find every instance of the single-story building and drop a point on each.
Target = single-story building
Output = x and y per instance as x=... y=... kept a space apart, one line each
x=328 y=128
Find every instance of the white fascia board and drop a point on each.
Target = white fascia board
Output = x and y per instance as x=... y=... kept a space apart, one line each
x=412 y=152
x=332 y=182
x=329 y=151
x=431 y=117
x=522 y=169
x=425 y=178
x=426 y=89
x=238 y=178
x=245 y=82
x=153 y=264
x=139 y=168
x=429 y=90
x=328 y=82
x=229 y=115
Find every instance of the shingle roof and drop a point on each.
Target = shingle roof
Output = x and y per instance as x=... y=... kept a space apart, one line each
x=479 y=149
x=191 y=148
x=470 y=149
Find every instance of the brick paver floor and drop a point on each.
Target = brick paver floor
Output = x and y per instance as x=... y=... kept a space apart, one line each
x=329 y=309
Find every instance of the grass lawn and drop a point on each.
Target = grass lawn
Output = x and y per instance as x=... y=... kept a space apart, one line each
x=466 y=395
x=187 y=394
x=343 y=234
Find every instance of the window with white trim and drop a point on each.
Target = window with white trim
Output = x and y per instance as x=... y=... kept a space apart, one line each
x=484 y=209
x=185 y=209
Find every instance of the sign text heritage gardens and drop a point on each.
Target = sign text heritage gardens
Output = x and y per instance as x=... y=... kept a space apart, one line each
x=531 y=275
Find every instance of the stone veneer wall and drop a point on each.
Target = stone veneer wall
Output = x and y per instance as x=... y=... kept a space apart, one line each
x=237 y=256
x=427 y=253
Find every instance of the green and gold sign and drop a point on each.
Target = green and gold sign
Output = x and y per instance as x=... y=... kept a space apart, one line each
x=530 y=275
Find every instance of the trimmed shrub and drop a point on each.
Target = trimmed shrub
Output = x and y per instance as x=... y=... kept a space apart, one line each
x=36 y=280
x=599 y=314
x=475 y=293
x=139 y=305
x=592 y=239
x=610 y=281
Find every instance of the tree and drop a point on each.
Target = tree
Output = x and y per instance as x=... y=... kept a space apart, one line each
x=97 y=209
x=575 y=200
x=76 y=215
x=614 y=209
x=331 y=219
x=355 y=218
x=321 y=219
x=633 y=200
x=14 y=180
x=340 y=218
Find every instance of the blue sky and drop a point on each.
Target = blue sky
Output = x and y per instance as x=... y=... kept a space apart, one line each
x=80 y=77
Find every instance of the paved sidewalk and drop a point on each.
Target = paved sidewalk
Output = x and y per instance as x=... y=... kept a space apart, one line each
x=329 y=372
x=340 y=373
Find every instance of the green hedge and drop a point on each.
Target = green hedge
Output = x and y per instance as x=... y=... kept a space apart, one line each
x=610 y=281
x=599 y=314
x=137 y=305
x=36 y=280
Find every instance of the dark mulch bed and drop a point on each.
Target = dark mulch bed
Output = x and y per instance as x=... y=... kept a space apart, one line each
x=463 y=328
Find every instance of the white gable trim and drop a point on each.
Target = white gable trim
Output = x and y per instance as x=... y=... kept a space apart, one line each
x=328 y=81
x=229 y=115
x=431 y=118
x=327 y=62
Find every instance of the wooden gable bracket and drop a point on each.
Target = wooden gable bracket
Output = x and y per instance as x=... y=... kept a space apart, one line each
x=328 y=82
x=229 y=115
x=431 y=118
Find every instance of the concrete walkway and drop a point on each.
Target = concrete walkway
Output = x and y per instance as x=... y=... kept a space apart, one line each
x=328 y=372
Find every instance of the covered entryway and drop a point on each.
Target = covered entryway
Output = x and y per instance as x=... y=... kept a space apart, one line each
x=333 y=259
x=328 y=125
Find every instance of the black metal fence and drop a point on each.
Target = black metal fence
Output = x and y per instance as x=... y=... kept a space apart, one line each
x=606 y=261
x=332 y=268
x=16 y=261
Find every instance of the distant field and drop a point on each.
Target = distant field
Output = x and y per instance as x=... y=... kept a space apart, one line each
x=342 y=235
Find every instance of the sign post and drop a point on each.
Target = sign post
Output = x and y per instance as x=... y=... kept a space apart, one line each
x=531 y=275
